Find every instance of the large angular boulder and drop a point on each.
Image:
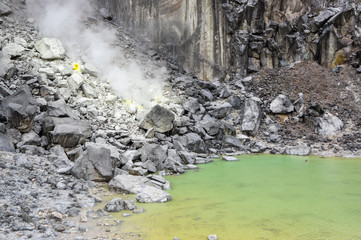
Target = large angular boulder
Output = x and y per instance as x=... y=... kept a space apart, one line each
x=95 y=164
x=211 y=125
x=61 y=161
x=193 y=142
x=19 y=109
x=66 y=135
x=281 y=104
x=154 y=153
x=51 y=122
x=5 y=64
x=61 y=109
x=251 y=118
x=75 y=81
x=50 y=49
x=220 y=110
x=101 y=159
x=159 y=118
x=127 y=183
x=83 y=168
x=13 y=50
x=230 y=141
x=146 y=189
x=149 y=194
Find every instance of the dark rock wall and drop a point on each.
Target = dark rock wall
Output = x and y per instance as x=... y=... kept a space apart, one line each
x=225 y=38
x=192 y=32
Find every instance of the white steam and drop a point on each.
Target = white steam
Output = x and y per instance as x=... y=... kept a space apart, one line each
x=95 y=44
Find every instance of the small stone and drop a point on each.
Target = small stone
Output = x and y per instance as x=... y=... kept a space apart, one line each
x=83 y=218
x=127 y=214
x=56 y=215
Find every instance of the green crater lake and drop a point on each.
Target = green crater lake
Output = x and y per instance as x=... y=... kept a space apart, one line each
x=258 y=197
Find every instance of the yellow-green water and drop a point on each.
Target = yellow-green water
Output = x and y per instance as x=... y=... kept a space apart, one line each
x=259 y=197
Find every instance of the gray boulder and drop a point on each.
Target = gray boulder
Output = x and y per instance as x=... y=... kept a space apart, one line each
x=5 y=66
x=75 y=81
x=210 y=125
x=62 y=162
x=281 y=104
x=192 y=105
x=193 y=142
x=5 y=144
x=127 y=183
x=4 y=10
x=153 y=152
x=102 y=161
x=149 y=166
x=251 y=118
x=301 y=149
x=187 y=157
x=31 y=138
x=230 y=141
x=50 y=49
x=84 y=169
x=329 y=124
x=173 y=165
x=129 y=155
x=66 y=135
x=158 y=118
x=19 y=109
x=221 y=110
x=95 y=164
x=51 y=122
x=324 y=15
x=13 y=50
x=149 y=194
x=61 y=109
x=115 y=205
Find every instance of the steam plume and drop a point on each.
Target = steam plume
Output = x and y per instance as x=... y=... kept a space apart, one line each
x=64 y=19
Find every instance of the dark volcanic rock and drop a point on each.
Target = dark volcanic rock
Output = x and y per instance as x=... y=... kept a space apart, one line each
x=251 y=117
x=158 y=118
x=66 y=135
x=193 y=142
x=19 y=109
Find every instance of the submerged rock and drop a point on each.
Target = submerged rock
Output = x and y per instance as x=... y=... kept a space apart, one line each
x=150 y=189
x=115 y=205
x=150 y=194
x=229 y=158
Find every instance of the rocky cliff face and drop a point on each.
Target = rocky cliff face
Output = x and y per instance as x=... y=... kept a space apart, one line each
x=221 y=39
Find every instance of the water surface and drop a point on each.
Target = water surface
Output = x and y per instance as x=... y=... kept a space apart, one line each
x=259 y=197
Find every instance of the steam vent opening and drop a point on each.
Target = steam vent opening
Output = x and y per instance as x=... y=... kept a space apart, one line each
x=180 y=119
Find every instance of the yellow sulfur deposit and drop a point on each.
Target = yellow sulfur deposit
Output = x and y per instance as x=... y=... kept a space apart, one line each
x=76 y=67
x=339 y=60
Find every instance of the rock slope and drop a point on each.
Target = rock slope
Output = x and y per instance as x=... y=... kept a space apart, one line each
x=62 y=128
